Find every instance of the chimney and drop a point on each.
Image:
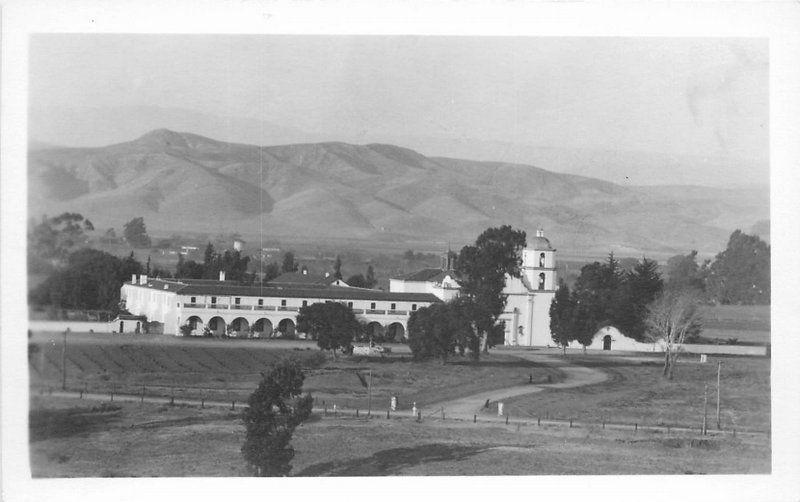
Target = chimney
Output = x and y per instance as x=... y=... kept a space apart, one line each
x=221 y=275
x=142 y=279
x=539 y=233
x=133 y=278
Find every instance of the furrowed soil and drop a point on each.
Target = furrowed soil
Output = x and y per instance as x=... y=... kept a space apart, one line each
x=74 y=438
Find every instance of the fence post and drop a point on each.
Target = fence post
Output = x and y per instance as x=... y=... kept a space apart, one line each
x=474 y=419
x=570 y=423
x=635 y=427
x=203 y=403
x=506 y=419
x=538 y=420
x=387 y=414
x=356 y=412
x=113 y=388
x=233 y=405
x=442 y=412
x=419 y=416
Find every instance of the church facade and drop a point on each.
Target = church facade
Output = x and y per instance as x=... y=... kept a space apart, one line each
x=528 y=298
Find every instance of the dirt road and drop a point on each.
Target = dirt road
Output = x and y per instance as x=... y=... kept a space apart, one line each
x=574 y=376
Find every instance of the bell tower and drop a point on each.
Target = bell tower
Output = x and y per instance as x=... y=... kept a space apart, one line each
x=539 y=264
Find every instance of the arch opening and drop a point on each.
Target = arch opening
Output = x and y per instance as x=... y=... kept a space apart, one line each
x=239 y=328
x=396 y=332
x=286 y=329
x=607 y=342
x=262 y=328
x=217 y=326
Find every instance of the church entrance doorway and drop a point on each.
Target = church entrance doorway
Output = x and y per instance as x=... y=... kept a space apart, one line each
x=607 y=342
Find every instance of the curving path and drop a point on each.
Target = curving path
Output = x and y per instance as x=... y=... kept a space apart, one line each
x=574 y=376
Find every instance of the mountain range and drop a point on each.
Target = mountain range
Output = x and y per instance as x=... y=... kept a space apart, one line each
x=374 y=192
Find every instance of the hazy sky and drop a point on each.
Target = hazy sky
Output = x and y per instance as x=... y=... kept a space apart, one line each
x=676 y=96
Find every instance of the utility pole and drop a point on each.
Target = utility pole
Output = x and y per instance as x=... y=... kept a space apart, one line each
x=64 y=361
x=369 y=393
x=719 y=369
x=705 y=409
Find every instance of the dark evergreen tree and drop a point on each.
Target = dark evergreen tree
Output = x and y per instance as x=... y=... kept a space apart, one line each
x=337 y=268
x=370 y=277
x=289 y=263
x=274 y=411
x=562 y=312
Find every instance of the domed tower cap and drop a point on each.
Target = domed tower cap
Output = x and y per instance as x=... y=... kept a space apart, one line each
x=540 y=242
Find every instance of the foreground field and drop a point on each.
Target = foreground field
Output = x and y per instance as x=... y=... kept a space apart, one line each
x=69 y=438
x=636 y=393
x=230 y=370
x=744 y=323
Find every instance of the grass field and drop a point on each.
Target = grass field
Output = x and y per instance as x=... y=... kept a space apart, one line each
x=637 y=393
x=230 y=370
x=745 y=323
x=150 y=440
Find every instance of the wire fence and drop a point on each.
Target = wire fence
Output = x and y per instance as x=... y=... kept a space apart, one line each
x=204 y=397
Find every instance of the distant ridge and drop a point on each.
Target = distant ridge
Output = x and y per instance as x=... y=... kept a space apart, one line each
x=186 y=182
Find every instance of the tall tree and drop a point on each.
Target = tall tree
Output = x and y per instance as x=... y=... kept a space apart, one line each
x=562 y=312
x=333 y=325
x=274 y=411
x=135 y=233
x=671 y=318
x=482 y=270
x=740 y=275
x=289 y=263
x=683 y=272
x=370 y=277
x=337 y=268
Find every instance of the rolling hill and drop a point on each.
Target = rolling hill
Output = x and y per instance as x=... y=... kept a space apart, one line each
x=185 y=182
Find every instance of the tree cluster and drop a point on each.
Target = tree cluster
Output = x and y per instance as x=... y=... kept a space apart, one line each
x=56 y=237
x=334 y=326
x=440 y=330
x=605 y=294
x=363 y=281
x=135 y=233
x=274 y=411
x=232 y=262
x=90 y=279
x=739 y=275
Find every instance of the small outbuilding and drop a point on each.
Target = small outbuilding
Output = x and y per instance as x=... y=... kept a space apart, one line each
x=128 y=323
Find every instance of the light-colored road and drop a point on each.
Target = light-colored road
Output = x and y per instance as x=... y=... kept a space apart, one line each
x=574 y=376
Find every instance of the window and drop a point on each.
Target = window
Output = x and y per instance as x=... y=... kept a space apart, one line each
x=413 y=306
x=372 y=306
x=350 y=304
x=260 y=302
x=394 y=306
x=213 y=300
x=541 y=281
x=283 y=303
x=238 y=301
x=541 y=259
x=193 y=300
x=305 y=303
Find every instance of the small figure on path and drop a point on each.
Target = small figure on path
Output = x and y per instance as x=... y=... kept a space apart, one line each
x=486 y=405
